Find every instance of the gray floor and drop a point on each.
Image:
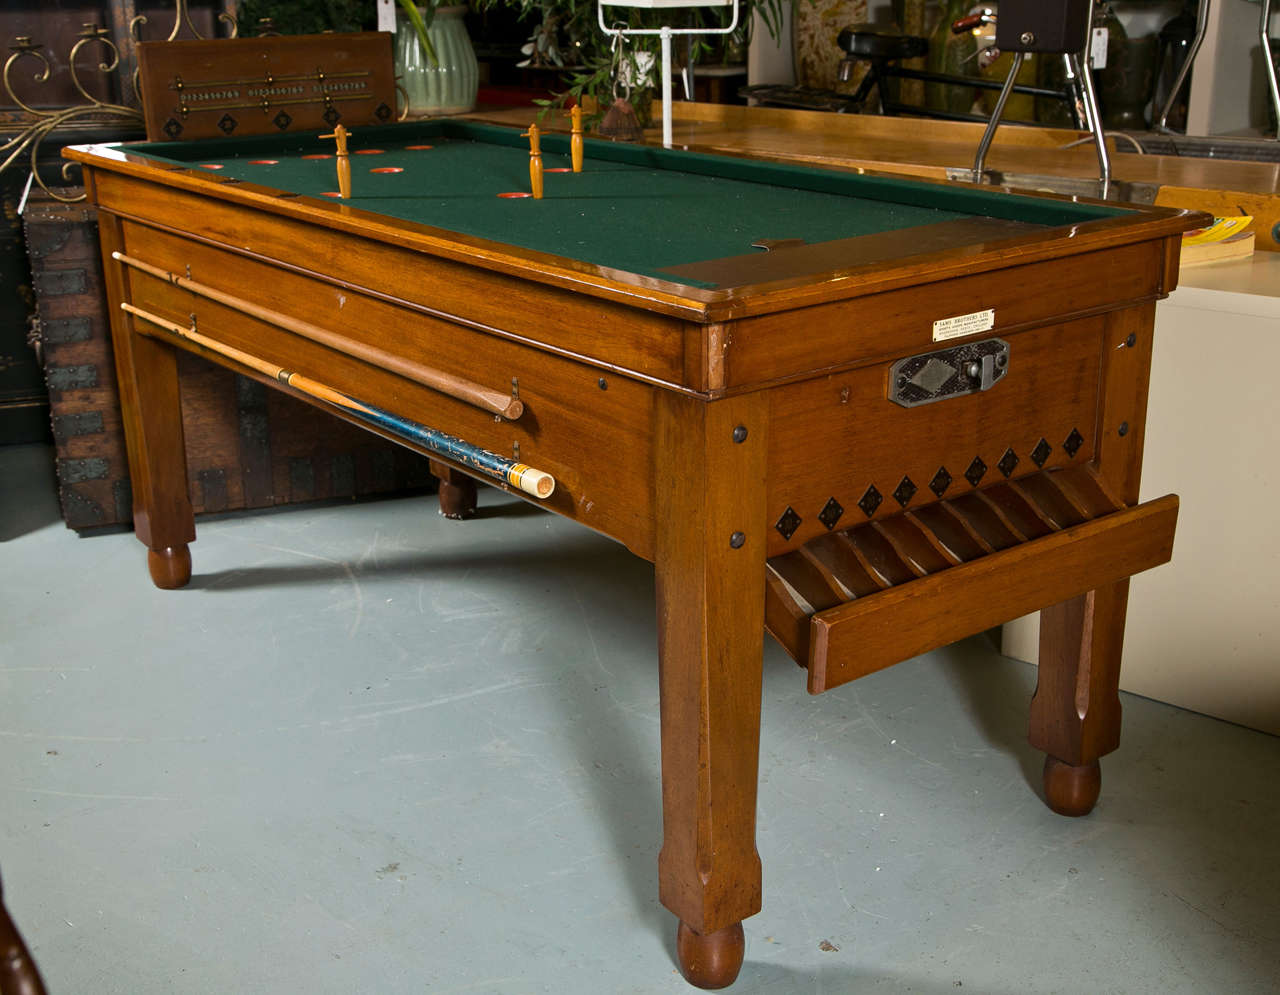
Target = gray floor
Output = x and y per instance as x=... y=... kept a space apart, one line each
x=369 y=750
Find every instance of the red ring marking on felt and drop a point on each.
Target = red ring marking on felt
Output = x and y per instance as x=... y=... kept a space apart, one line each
x=370 y=152
x=387 y=169
x=418 y=148
x=558 y=169
x=317 y=155
x=264 y=162
x=211 y=165
x=517 y=195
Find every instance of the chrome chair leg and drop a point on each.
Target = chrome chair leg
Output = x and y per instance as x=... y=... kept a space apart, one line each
x=1269 y=59
x=1202 y=25
x=984 y=146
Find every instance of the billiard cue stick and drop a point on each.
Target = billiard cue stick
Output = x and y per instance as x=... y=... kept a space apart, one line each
x=536 y=483
x=494 y=401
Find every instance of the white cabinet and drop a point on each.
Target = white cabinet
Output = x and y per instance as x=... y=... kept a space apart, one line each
x=1229 y=93
x=1204 y=631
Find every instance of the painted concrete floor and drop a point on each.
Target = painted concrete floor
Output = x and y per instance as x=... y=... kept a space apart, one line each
x=370 y=750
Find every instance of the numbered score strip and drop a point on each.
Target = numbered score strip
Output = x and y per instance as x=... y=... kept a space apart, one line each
x=964 y=324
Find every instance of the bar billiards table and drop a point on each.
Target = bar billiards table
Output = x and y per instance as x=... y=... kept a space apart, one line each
x=871 y=415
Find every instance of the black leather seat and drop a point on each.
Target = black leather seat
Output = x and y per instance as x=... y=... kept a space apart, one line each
x=865 y=42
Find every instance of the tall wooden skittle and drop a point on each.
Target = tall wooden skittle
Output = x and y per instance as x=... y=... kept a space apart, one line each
x=575 y=138
x=340 y=135
x=535 y=160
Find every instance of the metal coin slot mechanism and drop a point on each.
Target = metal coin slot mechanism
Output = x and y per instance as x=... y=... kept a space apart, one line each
x=955 y=372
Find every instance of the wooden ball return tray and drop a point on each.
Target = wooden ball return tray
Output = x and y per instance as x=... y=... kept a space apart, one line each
x=852 y=602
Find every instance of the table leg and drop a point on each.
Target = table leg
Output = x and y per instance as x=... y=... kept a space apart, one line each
x=709 y=510
x=147 y=375
x=1075 y=714
x=18 y=974
x=457 y=491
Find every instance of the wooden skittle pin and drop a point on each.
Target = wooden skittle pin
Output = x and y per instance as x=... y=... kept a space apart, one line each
x=340 y=135
x=535 y=160
x=575 y=138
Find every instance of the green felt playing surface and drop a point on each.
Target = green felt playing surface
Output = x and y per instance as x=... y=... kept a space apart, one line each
x=632 y=208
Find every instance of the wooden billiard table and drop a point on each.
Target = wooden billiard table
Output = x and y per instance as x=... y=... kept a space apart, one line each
x=871 y=415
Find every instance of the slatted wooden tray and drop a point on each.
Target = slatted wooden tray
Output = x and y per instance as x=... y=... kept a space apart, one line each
x=852 y=602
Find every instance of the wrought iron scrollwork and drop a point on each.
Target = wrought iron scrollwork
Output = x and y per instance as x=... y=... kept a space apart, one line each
x=91 y=110
x=183 y=16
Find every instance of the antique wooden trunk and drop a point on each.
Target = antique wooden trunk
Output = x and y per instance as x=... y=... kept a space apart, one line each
x=247 y=446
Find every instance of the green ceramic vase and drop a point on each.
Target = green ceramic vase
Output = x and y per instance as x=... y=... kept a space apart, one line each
x=446 y=86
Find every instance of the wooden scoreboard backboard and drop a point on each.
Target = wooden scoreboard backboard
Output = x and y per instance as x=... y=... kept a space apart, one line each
x=255 y=86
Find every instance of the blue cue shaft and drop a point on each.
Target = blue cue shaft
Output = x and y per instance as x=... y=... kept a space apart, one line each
x=535 y=483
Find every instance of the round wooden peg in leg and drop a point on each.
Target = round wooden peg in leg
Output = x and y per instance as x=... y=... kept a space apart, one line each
x=170 y=567
x=710 y=961
x=1071 y=790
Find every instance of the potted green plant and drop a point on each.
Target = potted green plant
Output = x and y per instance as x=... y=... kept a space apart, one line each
x=304 y=17
x=568 y=35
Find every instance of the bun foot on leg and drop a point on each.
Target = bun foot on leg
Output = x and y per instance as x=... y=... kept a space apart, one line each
x=1071 y=790
x=457 y=491
x=710 y=961
x=457 y=501
x=170 y=567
